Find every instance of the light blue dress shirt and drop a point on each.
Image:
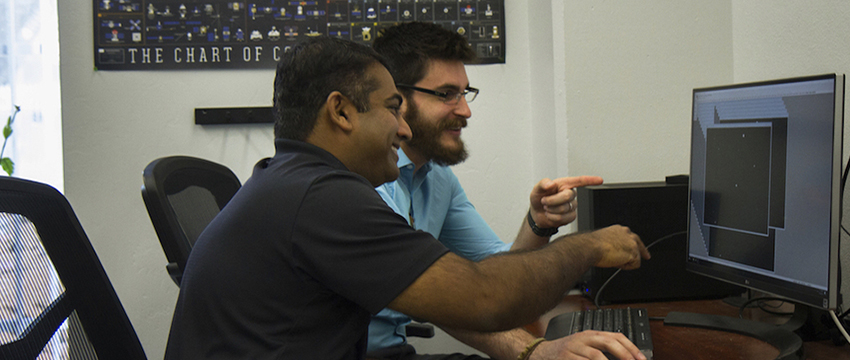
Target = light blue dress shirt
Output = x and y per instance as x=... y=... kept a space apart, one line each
x=432 y=201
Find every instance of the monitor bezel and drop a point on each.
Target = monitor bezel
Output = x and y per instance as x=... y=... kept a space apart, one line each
x=779 y=287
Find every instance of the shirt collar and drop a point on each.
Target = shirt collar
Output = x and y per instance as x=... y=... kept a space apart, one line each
x=407 y=165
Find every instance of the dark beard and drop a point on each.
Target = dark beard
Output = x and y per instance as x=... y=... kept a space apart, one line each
x=426 y=138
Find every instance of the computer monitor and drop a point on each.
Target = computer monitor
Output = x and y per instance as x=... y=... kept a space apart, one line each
x=765 y=186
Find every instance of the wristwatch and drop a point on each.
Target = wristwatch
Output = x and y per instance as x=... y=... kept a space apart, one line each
x=539 y=231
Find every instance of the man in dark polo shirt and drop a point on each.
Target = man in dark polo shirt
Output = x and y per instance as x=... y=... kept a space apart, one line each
x=295 y=264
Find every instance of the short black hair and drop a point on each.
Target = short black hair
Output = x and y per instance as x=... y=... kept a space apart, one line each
x=310 y=71
x=410 y=46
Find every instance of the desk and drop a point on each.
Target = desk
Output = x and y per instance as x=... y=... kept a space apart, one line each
x=673 y=342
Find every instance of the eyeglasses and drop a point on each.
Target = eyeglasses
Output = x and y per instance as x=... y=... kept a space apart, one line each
x=450 y=97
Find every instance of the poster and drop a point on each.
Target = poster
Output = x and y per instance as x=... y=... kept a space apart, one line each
x=174 y=35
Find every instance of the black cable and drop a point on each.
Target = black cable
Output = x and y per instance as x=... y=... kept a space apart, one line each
x=844 y=177
x=598 y=292
x=759 y=301
x=841 y=225
x=766 y=308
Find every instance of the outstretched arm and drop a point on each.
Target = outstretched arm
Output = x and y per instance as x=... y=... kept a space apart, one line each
x=509 y=290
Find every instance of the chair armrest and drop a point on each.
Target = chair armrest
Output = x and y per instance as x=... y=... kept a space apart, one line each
x=419 y=330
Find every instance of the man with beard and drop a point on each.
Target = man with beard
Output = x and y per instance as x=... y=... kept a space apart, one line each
x=427 y=62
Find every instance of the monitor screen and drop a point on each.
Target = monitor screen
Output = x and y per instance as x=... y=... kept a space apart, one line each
x=764 y=202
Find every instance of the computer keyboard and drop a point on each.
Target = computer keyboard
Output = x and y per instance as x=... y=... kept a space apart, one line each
x=632 y=322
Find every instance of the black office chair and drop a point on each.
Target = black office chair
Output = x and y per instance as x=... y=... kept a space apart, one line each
x=55 y=298
x=182 y=195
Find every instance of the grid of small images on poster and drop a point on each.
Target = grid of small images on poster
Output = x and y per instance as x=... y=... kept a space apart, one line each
x=191 y=34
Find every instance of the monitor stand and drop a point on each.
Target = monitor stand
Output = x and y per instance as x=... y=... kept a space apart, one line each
x=782 y=336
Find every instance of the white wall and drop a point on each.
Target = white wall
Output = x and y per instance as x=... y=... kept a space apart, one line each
x=630 y=70
x=589 y=87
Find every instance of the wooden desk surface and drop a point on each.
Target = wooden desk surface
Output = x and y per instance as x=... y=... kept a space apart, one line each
x=673 y=342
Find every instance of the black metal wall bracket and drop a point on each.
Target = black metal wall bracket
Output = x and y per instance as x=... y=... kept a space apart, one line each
x=240 y=115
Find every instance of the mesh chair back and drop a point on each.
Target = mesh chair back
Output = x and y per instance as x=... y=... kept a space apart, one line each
x=56 y=301
x=182 y=195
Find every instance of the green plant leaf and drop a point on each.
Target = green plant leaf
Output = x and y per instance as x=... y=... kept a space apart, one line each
x=8 y=165
x=7 y=131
